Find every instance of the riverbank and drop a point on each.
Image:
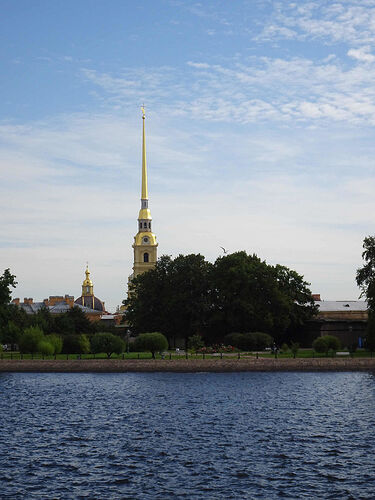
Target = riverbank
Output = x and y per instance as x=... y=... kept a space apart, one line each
x=190 y=365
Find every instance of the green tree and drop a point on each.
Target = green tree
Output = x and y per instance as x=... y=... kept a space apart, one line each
x=76 y=344
x=11 y=333
x=326 y=343
x=44 y=319
x=56 y=342
x=108 y=343
x=251 y=295
x=174 y=297
x=7 y=282
x=365 y=276
x=30 y=339
x=153 y=342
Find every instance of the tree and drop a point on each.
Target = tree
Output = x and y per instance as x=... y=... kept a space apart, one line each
x=365 y=276
x=7 y=282
x=174 y=297
x=30 y=339
x=251 y=295
x=76 y=344
x=153 y=342
x=108 y=343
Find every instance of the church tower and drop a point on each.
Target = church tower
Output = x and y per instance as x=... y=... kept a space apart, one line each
x=88 y=299
x=145 y=246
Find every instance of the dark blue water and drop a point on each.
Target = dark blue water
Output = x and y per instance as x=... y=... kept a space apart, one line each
x=165 y=435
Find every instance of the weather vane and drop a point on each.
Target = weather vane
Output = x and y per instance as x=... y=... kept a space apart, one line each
x=143 y=110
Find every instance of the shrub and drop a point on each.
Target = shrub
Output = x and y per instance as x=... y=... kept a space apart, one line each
x=152 y=342
x=44 y=347
x=326 y=343
x=294 y=347
x=320 y=345
x=284 y=347
x=56 y=342
x=332 y=342
x=108 y=343
x=253 y=341
x=195 y=343
x=235 y=339
x=30 y=339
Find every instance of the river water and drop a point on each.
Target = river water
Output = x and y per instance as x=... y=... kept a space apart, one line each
x=193 y=436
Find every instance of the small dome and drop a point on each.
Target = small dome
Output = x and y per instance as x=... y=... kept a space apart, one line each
x=91 y=302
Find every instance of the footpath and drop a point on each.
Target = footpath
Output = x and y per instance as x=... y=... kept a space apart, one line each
x=189 y=365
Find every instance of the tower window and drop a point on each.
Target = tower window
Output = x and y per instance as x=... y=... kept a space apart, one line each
x=145 y=257
x=140 y=225
x=149 y=225
x=145 y=224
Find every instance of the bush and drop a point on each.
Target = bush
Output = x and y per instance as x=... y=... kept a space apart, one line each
x=284 y=347
x=332 y=342
x=195 y=343
x=56 y=342
x=30 y=339
x=254 y=341
x=108 y=343
x=294 y=347
x=76 y=344
x=44 y=347
x=319 y=345
x=235 y=339
x=153 y=342
x=326 y=343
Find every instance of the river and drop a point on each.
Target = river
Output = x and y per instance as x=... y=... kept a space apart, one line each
x=194 y=436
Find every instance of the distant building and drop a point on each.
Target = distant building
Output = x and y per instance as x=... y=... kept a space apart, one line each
x=59 y=304
x=345 y=319
x=88 y=299
x=56 y=304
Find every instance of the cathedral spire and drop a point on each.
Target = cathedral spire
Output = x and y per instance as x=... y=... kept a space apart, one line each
x=145 y=246
x=144 y=162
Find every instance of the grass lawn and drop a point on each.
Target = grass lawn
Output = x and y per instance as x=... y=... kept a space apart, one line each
x=302 y=353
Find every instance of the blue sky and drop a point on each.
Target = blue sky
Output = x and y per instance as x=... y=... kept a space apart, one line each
x=260 y=136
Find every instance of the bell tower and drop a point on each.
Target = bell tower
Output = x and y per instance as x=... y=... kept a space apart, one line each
x=145 y=246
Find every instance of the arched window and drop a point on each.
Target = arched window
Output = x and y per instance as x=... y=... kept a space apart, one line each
x=145 y=224
x=145 y=257
x=149 y=225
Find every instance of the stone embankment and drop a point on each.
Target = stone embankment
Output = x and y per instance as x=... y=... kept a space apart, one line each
x=190 y=365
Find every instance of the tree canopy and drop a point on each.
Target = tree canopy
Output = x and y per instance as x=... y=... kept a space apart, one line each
x=187 y=296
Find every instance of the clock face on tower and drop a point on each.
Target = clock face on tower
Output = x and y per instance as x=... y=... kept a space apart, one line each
x=145 y=240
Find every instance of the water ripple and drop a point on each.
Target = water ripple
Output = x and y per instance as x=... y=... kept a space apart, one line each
x=194 y=436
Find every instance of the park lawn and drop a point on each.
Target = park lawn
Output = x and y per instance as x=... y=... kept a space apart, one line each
x=302 y=353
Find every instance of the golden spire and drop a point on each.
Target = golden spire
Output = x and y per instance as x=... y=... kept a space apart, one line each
x=144 y=163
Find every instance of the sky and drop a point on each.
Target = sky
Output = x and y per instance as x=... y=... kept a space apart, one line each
x=260 y=136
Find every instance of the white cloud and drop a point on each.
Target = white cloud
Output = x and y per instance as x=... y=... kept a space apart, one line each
x=362 y=54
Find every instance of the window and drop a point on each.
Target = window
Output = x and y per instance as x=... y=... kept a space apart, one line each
x=145 y=224
x=145 y=257
x=149 y=225
x=140 y=225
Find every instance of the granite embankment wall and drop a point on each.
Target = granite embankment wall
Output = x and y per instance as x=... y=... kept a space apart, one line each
x=191 y=365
